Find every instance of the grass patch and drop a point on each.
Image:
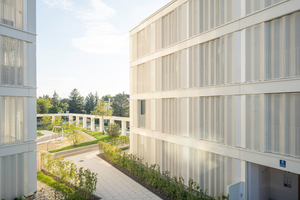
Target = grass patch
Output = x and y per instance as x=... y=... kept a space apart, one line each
x=95 y=134
x=56 y=185
x=123 y=149
x=40 y=128
x=39 y=134
x=103 y=138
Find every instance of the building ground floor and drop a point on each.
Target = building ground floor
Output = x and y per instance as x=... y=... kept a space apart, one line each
x=17 y=172
x=220 y=173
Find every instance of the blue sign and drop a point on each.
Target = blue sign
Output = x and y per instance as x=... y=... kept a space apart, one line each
x=282 y=163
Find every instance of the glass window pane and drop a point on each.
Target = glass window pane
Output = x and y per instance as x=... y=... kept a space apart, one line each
x=8 y=12
x=143 y=106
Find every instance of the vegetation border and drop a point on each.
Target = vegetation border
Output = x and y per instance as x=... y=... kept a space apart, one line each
x=67 y=184
x=144 y=184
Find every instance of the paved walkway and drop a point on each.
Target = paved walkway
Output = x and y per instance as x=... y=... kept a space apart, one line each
x=112 y=184
x=48 y=135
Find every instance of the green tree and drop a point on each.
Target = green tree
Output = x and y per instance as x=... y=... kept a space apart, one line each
x=46 y=122
x=120 y=105
x=44 y=105
x=54 y=109
x=64 y=106
x=106 y=97
x=103 y=109
x=73 y=132
x=38 y=109
x=89 y=103
x=57 y=121
x=55 y=99
x=75 y=102
x=96 y=98
x=113 y=130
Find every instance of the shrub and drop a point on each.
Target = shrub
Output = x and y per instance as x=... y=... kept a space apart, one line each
x=46 y=122
x=113 y=130
x=73 y=133
x=84 y=180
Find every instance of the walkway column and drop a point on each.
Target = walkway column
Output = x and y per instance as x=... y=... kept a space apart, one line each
x=77 y=120
x=111 y=121
x=70 y=118
x=53 y=118
x=92 y=124
x=101 y=124
x=84 y=121
x=123 y=127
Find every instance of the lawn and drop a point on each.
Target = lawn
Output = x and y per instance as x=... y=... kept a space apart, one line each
x=39 y=134
x=52 y=183
x=103 y=138
x=40 y=128
x=95 y=134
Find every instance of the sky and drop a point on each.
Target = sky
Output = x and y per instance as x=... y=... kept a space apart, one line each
x=84 y=44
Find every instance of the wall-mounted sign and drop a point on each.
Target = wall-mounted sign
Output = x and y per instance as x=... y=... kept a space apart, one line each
x=282 y=163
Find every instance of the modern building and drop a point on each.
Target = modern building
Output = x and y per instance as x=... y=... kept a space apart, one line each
x=215 y=95
x=17 y=98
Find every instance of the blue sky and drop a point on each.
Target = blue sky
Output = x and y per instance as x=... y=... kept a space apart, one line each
x=85 y=44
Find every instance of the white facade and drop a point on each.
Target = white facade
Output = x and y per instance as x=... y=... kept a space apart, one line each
x=17 y=98
x=215 y=95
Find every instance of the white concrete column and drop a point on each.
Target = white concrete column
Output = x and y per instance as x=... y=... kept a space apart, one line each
x=111 y=121
x=53 y=118
x=101 y=124
x=77 y=120
x=92 y=124
x=70 y=118
x=84 y=121
x=123 y=127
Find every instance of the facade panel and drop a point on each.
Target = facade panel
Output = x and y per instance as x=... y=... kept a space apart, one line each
x=17 y=99
x=207 y=76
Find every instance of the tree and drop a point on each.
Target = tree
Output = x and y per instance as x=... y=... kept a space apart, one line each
x=75 y=102
x=73 y=134
x=113 y=130
x=89 y=103
x=54 y=109
x=96 y=98
x=46 y=122
x=64 y=106
x=55 y=99
x=120 y=105
x=106 y=97
x=38 y=109
x=103 y=108
x=44 y=105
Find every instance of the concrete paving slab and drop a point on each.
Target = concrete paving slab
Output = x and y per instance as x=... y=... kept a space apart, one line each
x=112 y=184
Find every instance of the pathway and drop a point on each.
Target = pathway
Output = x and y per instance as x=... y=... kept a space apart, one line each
x=112 y=184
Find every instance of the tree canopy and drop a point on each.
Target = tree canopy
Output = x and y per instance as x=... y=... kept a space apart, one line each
x=120 y=105
x=103 y=108
x=75 y=102
x=43 y=105
x=90 y=103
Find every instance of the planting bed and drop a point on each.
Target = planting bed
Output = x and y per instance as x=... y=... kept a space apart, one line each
x=146 y=185
x=69 y=185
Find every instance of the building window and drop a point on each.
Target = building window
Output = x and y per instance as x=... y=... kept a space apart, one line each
x=143 y=107
x=12 y=65
x=11 y=12
x=12 y=120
